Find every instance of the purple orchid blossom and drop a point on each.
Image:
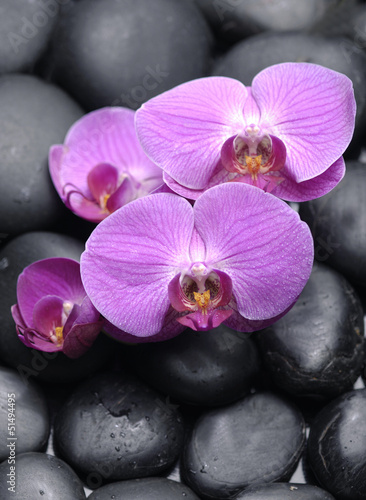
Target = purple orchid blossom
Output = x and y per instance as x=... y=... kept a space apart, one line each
x=239 y=256
x=101 y=166
x=53 y=312
x=285 y=134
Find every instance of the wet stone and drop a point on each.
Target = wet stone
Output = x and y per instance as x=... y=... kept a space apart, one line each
x=39 y=476
x=285 y=491
x=152 y=488
x=338 y=224
x=33 y=115
x=247 y=58
x=114 y=427
x=30 y=363
x=317 y=348
x=29 y=419
x=258 y=439
x=336 y=446
x=109 y=52
x=25 y=29
x=200 y=368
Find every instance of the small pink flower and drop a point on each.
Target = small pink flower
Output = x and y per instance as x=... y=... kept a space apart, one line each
x=101 y=166
x=53 y=312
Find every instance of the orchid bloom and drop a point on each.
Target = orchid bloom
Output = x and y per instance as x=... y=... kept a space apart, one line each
x=285 y=134
x=53 y=312
x=101 y=166
x=239 y=256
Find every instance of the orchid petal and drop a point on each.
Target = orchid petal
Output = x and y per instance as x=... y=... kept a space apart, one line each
x=75 y=312
x=85 y=328
x=33 y=339
x=132 y=256
x=313 y=188
x=102 y=180
x=226 y=289
x=80 y=339
x=163 y=188
x=123 y=195
x=176 y=296
x=251 y=111
x=197 y=247
x=237 y=322
x=203 y=322
x=260 y=242
x=47 y=315
x=219 y=176
x=17 y=317
x=82 y=332
x=105 y=135
x=182 y=130
x=311 y=109
x=85 y=208
x=171 y=328
x=55 y=161
x=55 y=276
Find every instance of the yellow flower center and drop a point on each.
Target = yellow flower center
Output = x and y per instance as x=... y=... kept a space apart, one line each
x=253 y=165
x=59 y=335
x=103 y=202
x=202 y=300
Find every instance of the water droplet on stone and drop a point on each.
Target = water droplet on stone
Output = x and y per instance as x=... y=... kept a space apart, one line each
x=4 y=263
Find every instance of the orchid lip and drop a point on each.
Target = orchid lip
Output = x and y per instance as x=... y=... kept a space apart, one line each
x=202 y=297
x=254 y=157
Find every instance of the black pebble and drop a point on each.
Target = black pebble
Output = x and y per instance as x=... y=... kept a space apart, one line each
x=39 y=476
x=238 y=19
x=336 y=446
x=257 y=439
x=252 y=55
x=123 y=52
x=152 y=488
x=114 y=427
x=338 y=224
x=25 y=29
x=317 y=348
x=29 y=419
x=33 y=116
x=285 y=491
x=30 y=363
x=201 y=368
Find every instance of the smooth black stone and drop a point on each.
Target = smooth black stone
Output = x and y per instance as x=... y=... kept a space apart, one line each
x=238 y=19
x=114 y=427
x=52 y=367
x=338 y=224
x=201 y=368
x=336 y=446
x=251 y=56
x=256 y=440
x=33 y=115
x=39 y=476
x=317 y=348
x=25 y=29
x=347 y=19
x=152 y=488
x=285 y=491
x=123 y=52
x=31 y=418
